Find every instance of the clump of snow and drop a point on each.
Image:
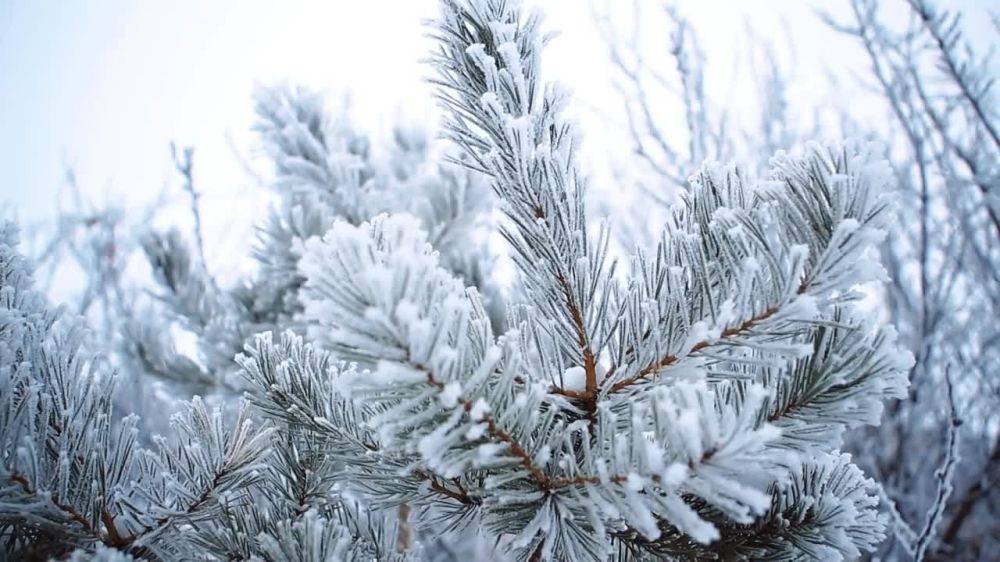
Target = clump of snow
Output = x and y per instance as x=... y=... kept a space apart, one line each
x=574 y=378
x=479 y=409
x=634 y=482
x=450 y=394
x=475 y=431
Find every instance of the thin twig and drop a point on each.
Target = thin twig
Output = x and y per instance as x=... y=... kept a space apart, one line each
x=944 y=476
x=184 y=163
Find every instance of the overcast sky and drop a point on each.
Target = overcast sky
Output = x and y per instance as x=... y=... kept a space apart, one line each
x=104 y=86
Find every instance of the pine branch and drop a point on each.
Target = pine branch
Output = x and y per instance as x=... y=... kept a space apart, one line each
x=666 y=361
x=513 y=131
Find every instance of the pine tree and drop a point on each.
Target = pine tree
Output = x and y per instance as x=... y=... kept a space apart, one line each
x=687 y=402
x=74 y=477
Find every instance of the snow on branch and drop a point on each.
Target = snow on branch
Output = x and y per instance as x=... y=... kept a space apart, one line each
x=74 y=476
x=750 y=264
x=690 y=407
x=511 y=127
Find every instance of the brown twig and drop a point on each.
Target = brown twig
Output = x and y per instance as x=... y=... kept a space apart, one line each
x=71 y=512
x=670 y=359
x=501 y=435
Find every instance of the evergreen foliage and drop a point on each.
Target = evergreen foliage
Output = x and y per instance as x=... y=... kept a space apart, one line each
x=686 y=402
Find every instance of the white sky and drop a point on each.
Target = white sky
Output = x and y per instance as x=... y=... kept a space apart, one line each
x=105 y=86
